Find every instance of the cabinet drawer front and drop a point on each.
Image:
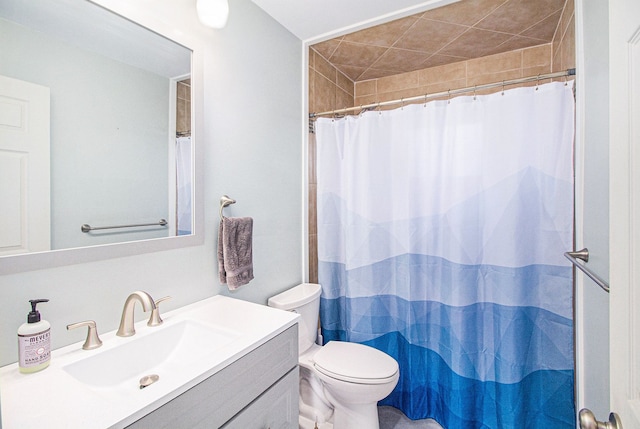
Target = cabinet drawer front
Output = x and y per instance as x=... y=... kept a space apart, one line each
x=277 y=408
x=217 y=399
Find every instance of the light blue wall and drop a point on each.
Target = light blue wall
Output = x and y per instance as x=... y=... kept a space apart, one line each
x=253 y=152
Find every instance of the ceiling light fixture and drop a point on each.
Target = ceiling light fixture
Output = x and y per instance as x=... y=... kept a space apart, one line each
x=213 y=13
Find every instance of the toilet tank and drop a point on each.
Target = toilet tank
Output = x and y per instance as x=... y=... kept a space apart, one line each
x=303 y=299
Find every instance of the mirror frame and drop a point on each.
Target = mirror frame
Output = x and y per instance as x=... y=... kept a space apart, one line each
x=63 y=257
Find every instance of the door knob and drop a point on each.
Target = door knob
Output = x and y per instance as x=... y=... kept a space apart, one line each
x=588 y=421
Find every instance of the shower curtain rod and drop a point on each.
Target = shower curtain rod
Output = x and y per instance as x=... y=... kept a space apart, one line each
x=537 y=78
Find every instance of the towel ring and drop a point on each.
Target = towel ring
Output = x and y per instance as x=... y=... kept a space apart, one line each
x=224 y=202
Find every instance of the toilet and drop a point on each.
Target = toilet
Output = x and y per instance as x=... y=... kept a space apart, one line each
x=340 y=382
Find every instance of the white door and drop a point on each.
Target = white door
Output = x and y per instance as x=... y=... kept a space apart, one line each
x=24 y=167
x=624 y=86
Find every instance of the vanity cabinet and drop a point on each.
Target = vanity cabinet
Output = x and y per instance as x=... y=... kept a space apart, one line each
x=258 y=390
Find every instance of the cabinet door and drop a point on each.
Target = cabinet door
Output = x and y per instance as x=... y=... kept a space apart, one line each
x=277 y=408
x=212 y=403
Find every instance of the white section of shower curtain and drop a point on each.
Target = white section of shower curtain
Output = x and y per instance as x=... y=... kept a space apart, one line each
x=183 y=184
x=427 y=162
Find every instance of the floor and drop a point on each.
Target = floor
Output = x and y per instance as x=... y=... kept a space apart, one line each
x=392 y=418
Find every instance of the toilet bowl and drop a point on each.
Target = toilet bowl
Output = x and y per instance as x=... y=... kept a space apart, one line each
x=340 y=382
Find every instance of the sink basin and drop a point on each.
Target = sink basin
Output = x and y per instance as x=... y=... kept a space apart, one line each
x=194 y=343
x=159 y=352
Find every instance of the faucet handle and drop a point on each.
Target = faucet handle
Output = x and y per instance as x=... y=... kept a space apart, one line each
x=93 y=340
x=155 y=319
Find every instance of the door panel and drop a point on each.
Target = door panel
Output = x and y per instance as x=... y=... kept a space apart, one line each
x=24 y=167
x=624 y=142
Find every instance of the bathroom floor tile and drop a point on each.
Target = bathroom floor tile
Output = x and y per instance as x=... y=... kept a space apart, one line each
x=392 y=418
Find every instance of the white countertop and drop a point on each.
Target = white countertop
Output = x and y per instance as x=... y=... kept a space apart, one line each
x=52 y=398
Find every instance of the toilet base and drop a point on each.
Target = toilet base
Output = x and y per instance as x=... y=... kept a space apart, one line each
x=305 y=423
x=356 y=416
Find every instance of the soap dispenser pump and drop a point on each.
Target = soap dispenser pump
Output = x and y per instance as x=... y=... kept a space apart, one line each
x=34 y=341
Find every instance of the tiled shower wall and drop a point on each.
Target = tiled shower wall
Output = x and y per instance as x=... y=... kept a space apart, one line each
x=329 y=89
x=564 y=42
x=493 y=68
x=183 y=107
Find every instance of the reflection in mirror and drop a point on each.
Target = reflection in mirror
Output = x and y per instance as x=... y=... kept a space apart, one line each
x=95 y=128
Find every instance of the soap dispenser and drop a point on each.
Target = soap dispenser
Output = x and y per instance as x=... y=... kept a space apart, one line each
x=34 y=341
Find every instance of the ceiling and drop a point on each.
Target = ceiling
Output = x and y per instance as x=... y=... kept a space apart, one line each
x=455 y=32
x=311 y=20
x=102 y=32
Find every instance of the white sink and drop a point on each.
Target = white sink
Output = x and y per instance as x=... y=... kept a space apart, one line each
x=193 y=343
x=159 y=352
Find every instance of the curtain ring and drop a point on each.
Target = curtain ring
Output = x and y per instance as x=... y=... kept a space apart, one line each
x=474 y=92
x=425 y=100
x=449 y=96
x=379 y=111
x=537 y=82
x=503 y=87
x=402 y=104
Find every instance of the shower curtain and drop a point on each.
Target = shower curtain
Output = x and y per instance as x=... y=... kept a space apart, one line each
x=183 y=185
x=441 y=233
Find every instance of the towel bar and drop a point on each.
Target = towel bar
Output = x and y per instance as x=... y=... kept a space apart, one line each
x=584 y=255
x=86 y=228
x=224 y=202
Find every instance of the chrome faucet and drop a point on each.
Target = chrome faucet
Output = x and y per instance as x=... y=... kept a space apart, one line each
x=127 y=320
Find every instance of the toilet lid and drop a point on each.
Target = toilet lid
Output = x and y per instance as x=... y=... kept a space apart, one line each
x=354 y=362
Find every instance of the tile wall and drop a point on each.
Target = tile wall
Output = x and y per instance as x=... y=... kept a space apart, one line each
x=329 y=89
x=183 y=107
x=564 y=42
x=489 y=69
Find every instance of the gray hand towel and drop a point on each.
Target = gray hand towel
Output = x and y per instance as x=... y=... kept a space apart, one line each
x=235 y=254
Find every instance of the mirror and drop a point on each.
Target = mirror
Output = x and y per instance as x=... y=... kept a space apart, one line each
x=118 y=149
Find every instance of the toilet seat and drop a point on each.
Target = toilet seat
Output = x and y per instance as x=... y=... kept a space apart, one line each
x=355 y=363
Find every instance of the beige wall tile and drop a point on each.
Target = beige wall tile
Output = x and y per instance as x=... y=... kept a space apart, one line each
x=325 y=94
x=568 y=54
x=366 y=87
x=534 y=71
x=445 y=86
x=564 y=24
x=544 y=29
x=313 y=258
x=325 y=68
x=312 y=98
x=327 y=48
x=494 y=64
x=494 y=77
x=398 y=95
x=312 y=59
x=466 y=12
x=313 y=208
x=445 y=73
x=343 y=100
x=366 y=99
x=537 y=56
x=345 y=83
x=313 y=176
x=398 y=82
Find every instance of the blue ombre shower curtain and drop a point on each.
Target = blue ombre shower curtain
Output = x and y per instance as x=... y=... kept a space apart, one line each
x=441 y=233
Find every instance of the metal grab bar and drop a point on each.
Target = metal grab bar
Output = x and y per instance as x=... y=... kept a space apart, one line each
x=584 y=256
x=87 y=228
